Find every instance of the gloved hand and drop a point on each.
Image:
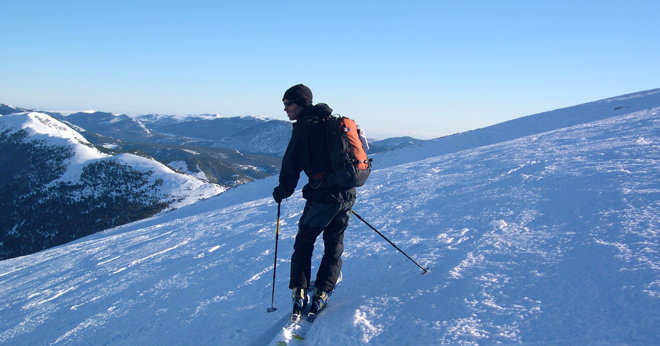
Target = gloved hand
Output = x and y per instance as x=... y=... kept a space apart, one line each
x=278 y=195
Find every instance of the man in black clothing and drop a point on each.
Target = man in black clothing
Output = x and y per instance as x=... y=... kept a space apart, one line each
x=328 y=206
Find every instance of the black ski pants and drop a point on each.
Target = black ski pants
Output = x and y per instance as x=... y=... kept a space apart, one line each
x=317 y=218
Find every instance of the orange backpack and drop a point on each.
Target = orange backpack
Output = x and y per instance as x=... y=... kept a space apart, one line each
x=350 y=165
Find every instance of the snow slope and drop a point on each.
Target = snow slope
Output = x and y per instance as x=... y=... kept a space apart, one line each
x=525 y=126
x=548 y=238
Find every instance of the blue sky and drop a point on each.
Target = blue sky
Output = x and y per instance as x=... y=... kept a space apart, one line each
x=420 y=68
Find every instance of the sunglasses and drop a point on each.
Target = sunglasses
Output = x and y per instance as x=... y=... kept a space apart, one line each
x=289 y=103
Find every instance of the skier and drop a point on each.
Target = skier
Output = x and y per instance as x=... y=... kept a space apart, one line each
x=327 y=208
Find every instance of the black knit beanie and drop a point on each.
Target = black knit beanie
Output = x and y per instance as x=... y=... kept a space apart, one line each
x=300 y=93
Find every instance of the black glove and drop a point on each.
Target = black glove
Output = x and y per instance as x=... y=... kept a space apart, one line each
x=278 y=195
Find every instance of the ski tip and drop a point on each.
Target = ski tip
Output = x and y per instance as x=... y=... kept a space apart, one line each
x=271 y=309
x=426 y=270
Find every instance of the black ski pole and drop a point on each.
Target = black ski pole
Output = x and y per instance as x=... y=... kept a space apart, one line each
x=425 y=270
x=277 y=237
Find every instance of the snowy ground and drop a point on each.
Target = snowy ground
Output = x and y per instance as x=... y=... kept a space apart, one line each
x=550 y=238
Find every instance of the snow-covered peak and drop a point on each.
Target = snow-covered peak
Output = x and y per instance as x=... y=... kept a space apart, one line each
x=69 y=112
x=169 y=118
x=258 y=116
x=40 y=124
x=52 y=132
x=43 y=127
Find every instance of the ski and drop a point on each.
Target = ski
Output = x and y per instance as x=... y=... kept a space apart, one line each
x=296 y=331
x=290 y=330
x=306 y=324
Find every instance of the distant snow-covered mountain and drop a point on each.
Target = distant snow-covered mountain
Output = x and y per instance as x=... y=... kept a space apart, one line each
x=247 y=134
x=207 y=127
x=112 y=125
x=269 y=137
x=383 y=145
x=55 y=186
x=227 y=151
x=9 y=109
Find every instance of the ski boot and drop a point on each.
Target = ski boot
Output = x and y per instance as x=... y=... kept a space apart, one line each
x=300 y=300
x=318 y=303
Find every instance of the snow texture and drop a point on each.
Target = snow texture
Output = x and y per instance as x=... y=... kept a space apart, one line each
x=548 y=238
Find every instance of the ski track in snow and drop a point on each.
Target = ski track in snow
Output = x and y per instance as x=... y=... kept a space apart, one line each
x=550 y=238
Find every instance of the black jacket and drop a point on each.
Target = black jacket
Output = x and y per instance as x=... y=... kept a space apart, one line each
x=307 y=152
